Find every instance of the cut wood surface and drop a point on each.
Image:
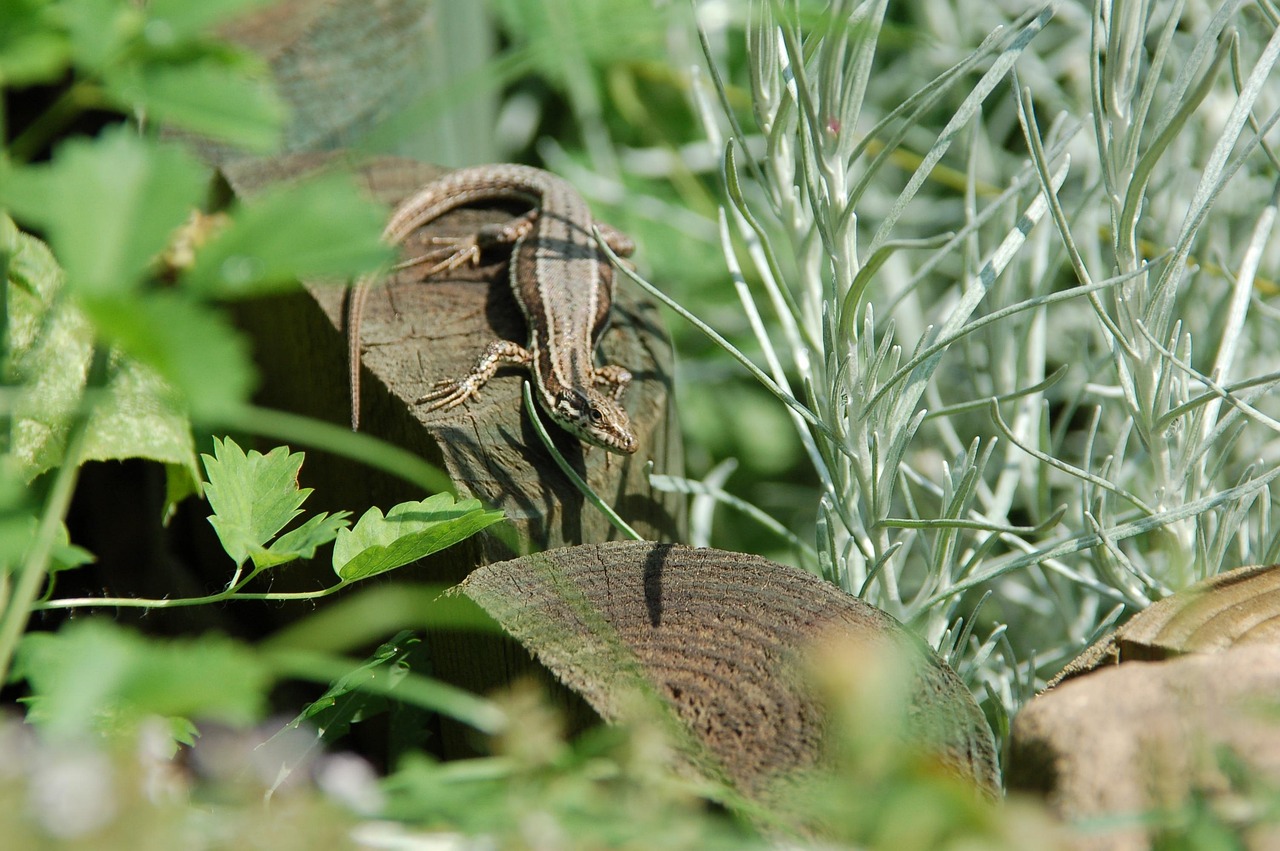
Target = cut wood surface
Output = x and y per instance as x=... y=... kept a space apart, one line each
x=722 y=638
x=1241 y=606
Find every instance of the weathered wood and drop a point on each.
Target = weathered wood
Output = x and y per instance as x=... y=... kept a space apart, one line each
x=417 y=333
x=343 y=67
x=722 y=639
x=1241 y=606
x=1162 y=716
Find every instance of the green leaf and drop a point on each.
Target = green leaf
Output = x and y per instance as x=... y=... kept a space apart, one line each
x=209 y=96
x=325 y=226
x=108 y=206
x=173 y=21
x=19 y=518
x=410 y=531
x=51 y=343
x=49 y=348
x=100 y=30
x=303 y=541
x=192 y=346
x=345 y=702
x=394 y=678
x=31 y=50
x=137 y=418
x=253 y=496
x=92 y=675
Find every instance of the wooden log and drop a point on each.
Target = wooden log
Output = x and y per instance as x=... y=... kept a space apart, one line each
x=417 y=333
x=1169 y=715
x=722 y=640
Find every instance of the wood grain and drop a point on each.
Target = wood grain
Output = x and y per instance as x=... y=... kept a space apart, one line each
x=722 y=639
x=1241 y=606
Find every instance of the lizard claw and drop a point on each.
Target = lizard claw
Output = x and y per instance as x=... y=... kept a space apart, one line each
x=455 y=253
x=449 y=393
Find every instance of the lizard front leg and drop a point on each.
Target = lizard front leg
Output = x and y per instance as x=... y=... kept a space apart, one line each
x=614 y=376
x=450 y=392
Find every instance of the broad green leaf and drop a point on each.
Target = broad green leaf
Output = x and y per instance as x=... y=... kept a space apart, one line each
x=319 y=227
x=92 y=674
x=410 y=531
x=214 y=98
x=190 y=345
x=253 y=496
x=31 y=49
x=108 y=205
x=302 y=542
x=51 y=343
x=100 y=30
x=137 y=418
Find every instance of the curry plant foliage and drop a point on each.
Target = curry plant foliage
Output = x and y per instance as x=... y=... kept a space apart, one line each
x=1035 y=372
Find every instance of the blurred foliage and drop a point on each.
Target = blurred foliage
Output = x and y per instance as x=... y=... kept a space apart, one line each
x=116 y=341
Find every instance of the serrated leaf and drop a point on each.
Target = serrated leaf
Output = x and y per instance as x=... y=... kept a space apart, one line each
x=253 y=496
x=190 y=345
x=322 y=227
x=51 y=342
x=107 y=205
x=207 y=96
x=410 y=531
x=303 y=541
x=92 y=673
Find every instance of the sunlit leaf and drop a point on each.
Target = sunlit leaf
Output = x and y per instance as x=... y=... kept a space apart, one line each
x=253 y=496
x=410 y=531
x=107 y=205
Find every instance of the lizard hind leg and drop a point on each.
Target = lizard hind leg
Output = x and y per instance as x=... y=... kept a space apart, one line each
x=458 y=251
x=454 y=253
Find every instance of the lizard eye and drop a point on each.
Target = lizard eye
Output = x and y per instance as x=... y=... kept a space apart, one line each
x=595 y=415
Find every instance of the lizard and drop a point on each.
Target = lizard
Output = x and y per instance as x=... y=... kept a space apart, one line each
x=563 y=285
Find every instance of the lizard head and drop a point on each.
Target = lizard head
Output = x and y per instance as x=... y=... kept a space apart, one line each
x=597 y=419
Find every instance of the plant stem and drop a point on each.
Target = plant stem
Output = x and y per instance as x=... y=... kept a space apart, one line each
x=54 y=120
x=13 y=620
